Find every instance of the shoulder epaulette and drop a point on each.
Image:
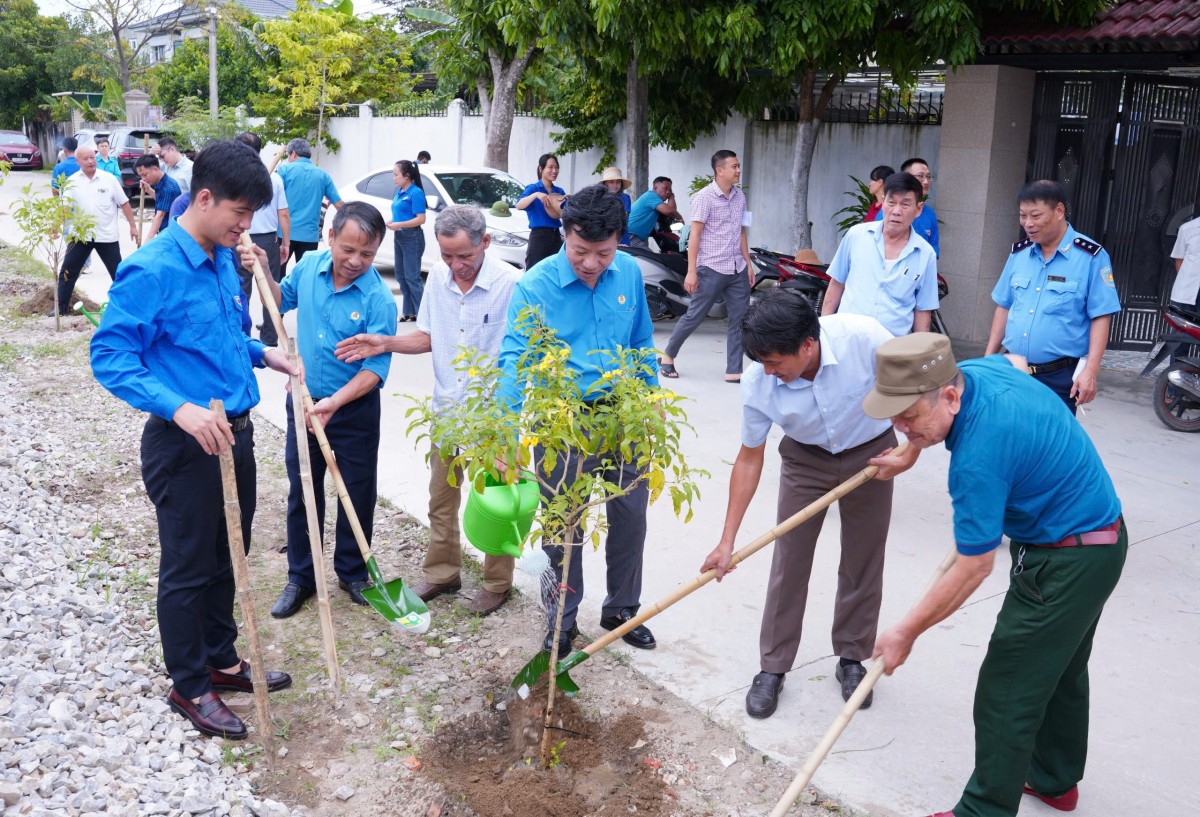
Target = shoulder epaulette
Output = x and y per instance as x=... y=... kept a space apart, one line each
x=1087 y=245
x=1021 y=245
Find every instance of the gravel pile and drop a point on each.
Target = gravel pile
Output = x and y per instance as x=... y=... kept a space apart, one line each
x=84 y=725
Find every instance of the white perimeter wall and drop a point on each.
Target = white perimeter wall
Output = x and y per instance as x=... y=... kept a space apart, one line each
x=369 y=143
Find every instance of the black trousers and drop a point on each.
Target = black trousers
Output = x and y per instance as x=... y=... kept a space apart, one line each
x=299 y=248
x=77 y=254
x=1060 y=382
x=195 y=575
x=543 y=243
x=353 y=434
x=270 y=245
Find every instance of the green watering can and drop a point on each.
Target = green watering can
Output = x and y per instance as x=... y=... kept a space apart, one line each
x=497 y=519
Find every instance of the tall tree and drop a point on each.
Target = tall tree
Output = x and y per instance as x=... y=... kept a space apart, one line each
x=118 y=18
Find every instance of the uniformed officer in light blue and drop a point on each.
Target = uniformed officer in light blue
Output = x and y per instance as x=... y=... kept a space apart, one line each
x=1056 y=298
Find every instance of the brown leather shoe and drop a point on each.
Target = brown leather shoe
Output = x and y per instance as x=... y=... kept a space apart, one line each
x=210 y=716
x=240 y=681
x=429 y=590
x=486 y=602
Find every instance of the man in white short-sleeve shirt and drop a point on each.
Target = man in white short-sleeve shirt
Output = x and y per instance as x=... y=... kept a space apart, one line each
x=465 y=304
x=809 y=377
x=1187 y=264
x=98 y=194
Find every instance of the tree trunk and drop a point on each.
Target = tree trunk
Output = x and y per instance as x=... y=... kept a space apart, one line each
x=498 y=123
x=637 y=129
x=811 y=112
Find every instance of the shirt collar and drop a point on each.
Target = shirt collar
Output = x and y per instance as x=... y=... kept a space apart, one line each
x=828 y=358
x=563 y=267
x=194 y=253
x=484 y=280
x=325 y=268
x=733 y=191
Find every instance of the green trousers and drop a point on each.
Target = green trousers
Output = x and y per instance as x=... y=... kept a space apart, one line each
x=1031 y=701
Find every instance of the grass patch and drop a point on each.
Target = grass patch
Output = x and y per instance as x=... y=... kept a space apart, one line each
x=18 y=262
x=9 y=354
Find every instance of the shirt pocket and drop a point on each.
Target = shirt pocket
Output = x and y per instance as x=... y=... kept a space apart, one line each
x=902 y=286
x=1059 y=297
x=203 y=328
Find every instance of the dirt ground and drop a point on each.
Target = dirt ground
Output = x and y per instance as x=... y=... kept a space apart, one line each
x=421 y=725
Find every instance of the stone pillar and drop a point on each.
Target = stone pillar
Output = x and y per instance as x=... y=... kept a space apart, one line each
x=981 y=166
x=456 y=112
x=366 y=113
x=137 y=108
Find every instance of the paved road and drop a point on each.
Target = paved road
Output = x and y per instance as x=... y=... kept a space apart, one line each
x=912 y=751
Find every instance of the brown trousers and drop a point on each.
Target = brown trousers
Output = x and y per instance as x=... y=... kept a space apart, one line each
x=808 y=472
x=444 y=559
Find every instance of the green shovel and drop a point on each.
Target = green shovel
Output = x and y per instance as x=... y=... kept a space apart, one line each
x=529 y=674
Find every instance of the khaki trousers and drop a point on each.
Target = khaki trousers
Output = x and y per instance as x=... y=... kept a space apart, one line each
x=444 y=559
x=807 y=472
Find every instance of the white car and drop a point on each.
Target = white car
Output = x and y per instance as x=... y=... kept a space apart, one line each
x=445 y=185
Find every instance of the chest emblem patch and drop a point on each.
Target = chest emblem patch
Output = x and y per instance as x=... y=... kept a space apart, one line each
x=621 y=299
x=354 y=316
x=237 y=299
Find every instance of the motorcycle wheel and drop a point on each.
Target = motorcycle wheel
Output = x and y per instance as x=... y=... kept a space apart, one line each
x=1177 y=409
x=660 y=306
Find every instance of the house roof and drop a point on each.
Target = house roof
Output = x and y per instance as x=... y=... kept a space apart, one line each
x=193 y=13
x=1129 y=26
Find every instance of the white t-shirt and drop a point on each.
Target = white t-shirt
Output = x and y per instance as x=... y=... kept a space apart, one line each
x=1187 y=247
x=101 y=197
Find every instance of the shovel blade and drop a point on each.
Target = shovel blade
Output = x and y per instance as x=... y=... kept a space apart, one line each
x=398 y=604
x=528 y=676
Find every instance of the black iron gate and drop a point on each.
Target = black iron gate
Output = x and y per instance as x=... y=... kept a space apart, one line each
x=1127 y=148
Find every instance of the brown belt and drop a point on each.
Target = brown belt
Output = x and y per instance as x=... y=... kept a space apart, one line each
x=1107 y=535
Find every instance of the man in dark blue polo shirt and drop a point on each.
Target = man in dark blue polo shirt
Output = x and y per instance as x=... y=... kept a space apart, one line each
x=1020 y=467
x=170 y=342
x=163 y=187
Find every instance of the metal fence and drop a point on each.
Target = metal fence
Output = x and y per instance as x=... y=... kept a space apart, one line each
x=888 y=107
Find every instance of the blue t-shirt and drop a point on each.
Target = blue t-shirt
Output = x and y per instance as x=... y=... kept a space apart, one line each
x=1021 y=464
x=306 y=186
x=165 y=193
x=67 y=167
x=644 y=215
x=537 y=211
x=180 y=205
x=407 y=203
x=925 y=225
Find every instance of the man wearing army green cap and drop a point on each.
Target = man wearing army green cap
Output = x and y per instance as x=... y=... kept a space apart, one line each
x=1019 y=467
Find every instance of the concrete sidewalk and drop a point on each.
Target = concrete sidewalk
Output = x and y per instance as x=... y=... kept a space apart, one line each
x=911 y=753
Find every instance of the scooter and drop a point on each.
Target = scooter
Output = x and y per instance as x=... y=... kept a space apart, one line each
x=812 y=280
x=1176 y=393
x=663 y=275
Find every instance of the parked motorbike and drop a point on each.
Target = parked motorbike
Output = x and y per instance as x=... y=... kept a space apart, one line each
x=812 y=280
x=663 y=275
x=1176 y=393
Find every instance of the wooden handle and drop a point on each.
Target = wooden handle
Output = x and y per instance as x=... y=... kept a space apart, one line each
x=843 y=718
x=241 y=578
x=803 y=515
x=141 y=191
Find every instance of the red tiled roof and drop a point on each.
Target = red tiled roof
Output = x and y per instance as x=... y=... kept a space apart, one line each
x=1154 y=24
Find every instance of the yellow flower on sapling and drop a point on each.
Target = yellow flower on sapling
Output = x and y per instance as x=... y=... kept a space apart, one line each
x=472 y=372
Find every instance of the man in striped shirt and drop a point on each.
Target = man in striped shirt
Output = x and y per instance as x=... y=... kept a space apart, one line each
x=718 y=263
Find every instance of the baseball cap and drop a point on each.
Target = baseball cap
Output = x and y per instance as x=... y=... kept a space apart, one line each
x=906 y=368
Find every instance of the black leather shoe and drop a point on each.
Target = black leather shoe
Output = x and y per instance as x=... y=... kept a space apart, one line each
x=355 y=589
x=241 y=681
x=763 y=695
x=564 y=641
x=640 y=636
x=851 y=676
x=291 y=600
x=210 y=716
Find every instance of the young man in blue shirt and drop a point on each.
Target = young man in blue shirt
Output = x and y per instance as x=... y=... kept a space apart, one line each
x=171 y=341
x=1020 y=467
x=164 y=188
x=337 y=294
x=68 y=167
x=594 y=298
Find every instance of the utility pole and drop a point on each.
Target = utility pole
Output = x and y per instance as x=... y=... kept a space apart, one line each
x=212 y=61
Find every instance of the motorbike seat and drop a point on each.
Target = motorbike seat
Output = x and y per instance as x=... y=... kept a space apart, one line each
x=1188 y=311
x=676 y=262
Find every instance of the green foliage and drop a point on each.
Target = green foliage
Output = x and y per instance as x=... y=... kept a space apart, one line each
x=325 y=58
x=854 y=212
x=635 y=422
x=47 y=223
x=241 y=67
x=194 y=126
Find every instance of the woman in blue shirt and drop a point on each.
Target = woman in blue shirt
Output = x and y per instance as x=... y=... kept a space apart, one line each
x=408 y=214
x=544 y=236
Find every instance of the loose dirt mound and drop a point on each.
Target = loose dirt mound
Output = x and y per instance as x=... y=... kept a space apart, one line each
x=42 y=302
x=489 y=765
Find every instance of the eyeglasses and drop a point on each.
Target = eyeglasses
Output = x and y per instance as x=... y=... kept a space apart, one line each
x=924 y=176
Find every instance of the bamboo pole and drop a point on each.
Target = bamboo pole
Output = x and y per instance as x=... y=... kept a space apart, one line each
x=142 y=191
x=241 y=577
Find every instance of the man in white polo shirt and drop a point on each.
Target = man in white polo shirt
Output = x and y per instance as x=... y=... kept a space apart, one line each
x=465 y=305
x=1186 y=253
x=98 y=194
x=718 y=264
x=809 y=378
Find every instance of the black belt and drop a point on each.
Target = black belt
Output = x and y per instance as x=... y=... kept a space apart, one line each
x=238 y=423
x=1052 y=366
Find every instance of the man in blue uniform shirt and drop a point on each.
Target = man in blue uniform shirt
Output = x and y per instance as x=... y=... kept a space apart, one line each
x=306 y=187
x=594 y=298
x=1019 y=468
x=1056 y=298
x=170 y=342
x=338 y=294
